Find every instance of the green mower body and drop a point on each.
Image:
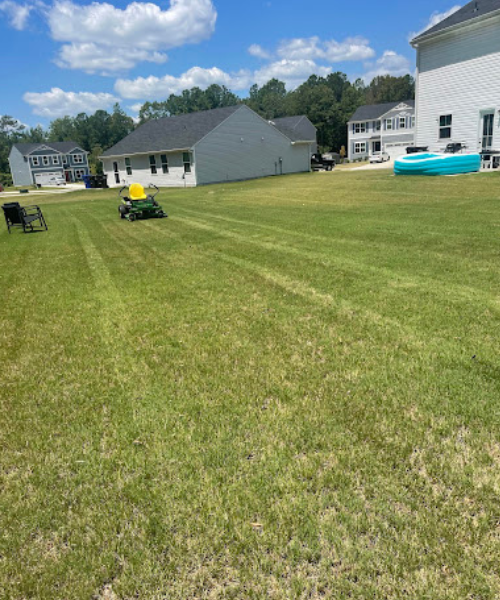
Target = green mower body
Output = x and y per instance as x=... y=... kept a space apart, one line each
x=147 y=208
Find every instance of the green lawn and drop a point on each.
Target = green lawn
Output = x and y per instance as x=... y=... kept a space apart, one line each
x=290 y=389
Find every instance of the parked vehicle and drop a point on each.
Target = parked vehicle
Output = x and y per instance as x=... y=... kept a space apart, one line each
x=319 y=162
x=379 y=158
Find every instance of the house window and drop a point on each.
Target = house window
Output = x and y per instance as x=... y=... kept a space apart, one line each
x=55 y=160
x=359 y=127
x=388 y=124
x=378 y=126
x=360 y=148
x=128 y=166
x=36 y=161
x=402 y=122
x=164 y=163
x=65 y=160
x=445 y=127
x=413 y=122
x=45 y=160
x=186 y=159
x=78 y=159
x=79 y=173
x=152 y=164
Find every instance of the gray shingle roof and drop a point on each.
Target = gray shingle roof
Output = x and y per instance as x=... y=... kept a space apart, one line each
x=375 y=111
x=298 y=129
x=472 y=10
x=62 y=147
x=171 y=133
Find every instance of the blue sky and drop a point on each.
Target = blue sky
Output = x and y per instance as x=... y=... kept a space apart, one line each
x=69 y=56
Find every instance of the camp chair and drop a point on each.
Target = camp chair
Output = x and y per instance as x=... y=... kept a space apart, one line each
x=23 y=216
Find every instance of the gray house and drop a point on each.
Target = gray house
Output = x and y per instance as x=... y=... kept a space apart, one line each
x=224 y=144
x=40 y=162
x=381 y=128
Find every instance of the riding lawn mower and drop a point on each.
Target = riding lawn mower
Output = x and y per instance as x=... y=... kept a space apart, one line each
x=138 y=204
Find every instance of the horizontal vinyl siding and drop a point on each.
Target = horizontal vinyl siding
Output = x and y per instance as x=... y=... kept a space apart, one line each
x=19 y=168
x=459 y=74
x=235 y=151
x=141 y=172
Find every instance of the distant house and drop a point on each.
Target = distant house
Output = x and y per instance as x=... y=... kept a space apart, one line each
x=380 y=128
x=224 y=144
x=458 y=79
x=60 y=159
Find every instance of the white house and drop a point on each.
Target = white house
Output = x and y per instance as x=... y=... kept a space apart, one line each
x=224 y=144
x=458 y=79
x=380 y=128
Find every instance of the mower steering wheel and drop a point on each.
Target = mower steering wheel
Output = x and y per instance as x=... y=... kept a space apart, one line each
x=152 y=185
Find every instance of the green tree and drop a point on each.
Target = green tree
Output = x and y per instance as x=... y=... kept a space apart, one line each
x=62 y=130
x=269 y=100
x=387 y=88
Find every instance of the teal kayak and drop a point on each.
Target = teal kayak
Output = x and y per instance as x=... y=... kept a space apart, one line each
x=426 y=163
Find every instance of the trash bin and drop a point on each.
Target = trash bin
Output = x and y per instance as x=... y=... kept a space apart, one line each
x=86 y=181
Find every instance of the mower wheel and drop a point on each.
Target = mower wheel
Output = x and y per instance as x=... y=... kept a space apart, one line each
x=123 y=211
x=132 y=217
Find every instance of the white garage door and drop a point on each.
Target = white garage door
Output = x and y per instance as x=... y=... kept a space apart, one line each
x=395 y=150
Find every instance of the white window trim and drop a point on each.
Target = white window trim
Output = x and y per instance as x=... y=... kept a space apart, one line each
x=128 y=166
x=78 y=159
x=402 y=120
x=45 y=161
x=55 y=160
x=81 y=171
x=360 y=128
x=36 y=161
x=441 y=127
x=387 y=123
x=357 y=148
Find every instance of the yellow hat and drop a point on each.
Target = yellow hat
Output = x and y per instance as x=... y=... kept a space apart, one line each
x=136 y=192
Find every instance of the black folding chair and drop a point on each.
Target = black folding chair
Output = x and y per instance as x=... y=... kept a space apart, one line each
x=30 y=218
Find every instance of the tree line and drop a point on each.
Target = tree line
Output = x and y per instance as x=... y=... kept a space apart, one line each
x=328 y=102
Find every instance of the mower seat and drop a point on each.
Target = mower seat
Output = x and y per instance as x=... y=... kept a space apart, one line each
x=136 y=192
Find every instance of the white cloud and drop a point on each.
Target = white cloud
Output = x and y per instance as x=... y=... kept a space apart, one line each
x=292 y=72
x=351 y=49
x=140 y=26
x=259 y=52
x=16 y=13
x=436 y=18
x=101 y=38
x=161 y=87
x=390 y=63
x=94 y=58
x=58 y=103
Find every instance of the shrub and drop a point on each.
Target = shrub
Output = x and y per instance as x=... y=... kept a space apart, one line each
x=6 y=179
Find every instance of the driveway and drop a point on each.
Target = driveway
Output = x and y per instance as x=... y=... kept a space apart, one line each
x=386 y=165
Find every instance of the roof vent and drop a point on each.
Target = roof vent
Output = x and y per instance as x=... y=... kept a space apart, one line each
x=476 y=7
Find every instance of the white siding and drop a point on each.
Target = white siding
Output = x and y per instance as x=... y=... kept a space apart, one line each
x=390 y=139
x=141 y=172
x=459 y=75
x=246 y=147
